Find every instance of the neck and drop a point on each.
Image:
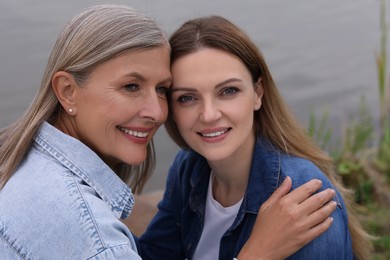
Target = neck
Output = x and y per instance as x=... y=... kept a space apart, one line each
x=230 y=179
x=64 y=124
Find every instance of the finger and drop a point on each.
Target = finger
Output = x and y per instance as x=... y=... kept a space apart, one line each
x=304 y=191
x=316 y=201
x=281 y=191
x=317 y=230
x=320 y=215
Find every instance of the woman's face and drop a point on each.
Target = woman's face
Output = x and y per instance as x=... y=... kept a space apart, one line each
x=122 y=104
x=213 y=101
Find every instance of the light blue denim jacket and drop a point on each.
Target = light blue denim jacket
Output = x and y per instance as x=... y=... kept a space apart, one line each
x=64 y=202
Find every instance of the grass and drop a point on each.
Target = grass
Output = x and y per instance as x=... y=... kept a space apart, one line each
x=375 y=220
x=362 y=158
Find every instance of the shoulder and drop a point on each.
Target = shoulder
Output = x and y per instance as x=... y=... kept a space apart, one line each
x=302 y=170
x=337 y=236
x=37 y=204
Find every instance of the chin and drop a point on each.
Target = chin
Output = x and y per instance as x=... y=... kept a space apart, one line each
x=136 y=161
x=213 y=157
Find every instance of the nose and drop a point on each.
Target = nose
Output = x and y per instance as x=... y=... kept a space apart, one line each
x=154 y=107
x=210 y=111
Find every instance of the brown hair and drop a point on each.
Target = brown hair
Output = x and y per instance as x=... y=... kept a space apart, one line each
x=273 y=121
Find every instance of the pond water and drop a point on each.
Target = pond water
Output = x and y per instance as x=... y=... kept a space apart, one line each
x=321 y=52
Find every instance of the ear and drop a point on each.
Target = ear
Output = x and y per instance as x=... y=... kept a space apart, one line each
x=64 y=88
x=259 y=90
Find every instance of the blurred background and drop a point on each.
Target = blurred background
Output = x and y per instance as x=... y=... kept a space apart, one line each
x=323 y=55
x=321 y=52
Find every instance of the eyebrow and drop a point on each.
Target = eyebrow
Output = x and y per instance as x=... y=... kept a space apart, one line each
x=230 y=80
x=136 y=75
x=167 y=80
x=141 y=77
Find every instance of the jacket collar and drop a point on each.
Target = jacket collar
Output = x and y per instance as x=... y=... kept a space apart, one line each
x=86 y=164
x=264 y=178
x=265 y=175
x=199 y=182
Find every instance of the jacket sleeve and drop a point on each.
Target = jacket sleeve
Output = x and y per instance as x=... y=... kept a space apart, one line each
x=335 y=243
x=162 y=238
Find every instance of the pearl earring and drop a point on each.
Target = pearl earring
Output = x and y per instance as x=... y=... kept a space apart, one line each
x=70 y=110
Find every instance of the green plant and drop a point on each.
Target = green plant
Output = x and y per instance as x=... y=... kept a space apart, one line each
x=354 y=159
x=382 y=159
x=359 y=134
x=322 y=133
x=357 y=138
x=381 y=59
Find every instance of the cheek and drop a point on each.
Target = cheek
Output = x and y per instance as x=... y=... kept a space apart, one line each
x=181 y=117
x=164 y=109
x=242 y=114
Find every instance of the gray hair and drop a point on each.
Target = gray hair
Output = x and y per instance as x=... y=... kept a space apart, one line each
x=101 y=33
x=90 y=38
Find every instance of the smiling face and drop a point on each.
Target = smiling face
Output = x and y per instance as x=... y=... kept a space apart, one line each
x=122 y=104
x=213 y=101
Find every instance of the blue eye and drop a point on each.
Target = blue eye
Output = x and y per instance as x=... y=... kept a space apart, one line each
x=230 y=91
x=132 y=87
x=162 y=90
x=185 y=99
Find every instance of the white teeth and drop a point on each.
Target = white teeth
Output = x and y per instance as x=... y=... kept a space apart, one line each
x=214 y=134
x=134 y=133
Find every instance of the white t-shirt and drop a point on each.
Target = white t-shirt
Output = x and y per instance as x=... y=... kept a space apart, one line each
x=217 y=221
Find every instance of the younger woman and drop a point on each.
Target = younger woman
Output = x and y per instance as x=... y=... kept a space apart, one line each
x=239 y=143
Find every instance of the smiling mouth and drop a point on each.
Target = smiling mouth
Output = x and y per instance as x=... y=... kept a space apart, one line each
x=133 y=133
x=214 y=134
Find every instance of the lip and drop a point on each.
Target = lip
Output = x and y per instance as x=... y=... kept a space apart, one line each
x=215 y=134
x=139 y=135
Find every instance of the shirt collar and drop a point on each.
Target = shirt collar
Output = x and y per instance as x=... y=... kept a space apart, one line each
x=82 y=161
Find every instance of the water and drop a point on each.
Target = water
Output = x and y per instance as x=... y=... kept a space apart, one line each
x=321 y=52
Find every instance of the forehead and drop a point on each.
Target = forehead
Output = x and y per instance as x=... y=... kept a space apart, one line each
x=152 y=62
x=208 y=65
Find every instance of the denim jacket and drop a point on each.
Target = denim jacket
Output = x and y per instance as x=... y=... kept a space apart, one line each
x=64 y=202
x=176 y=229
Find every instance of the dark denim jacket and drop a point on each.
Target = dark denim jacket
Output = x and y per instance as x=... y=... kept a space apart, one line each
x=177 y=227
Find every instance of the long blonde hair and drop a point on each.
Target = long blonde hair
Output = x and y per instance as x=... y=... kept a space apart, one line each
x=273 y=121
x=91 y=38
